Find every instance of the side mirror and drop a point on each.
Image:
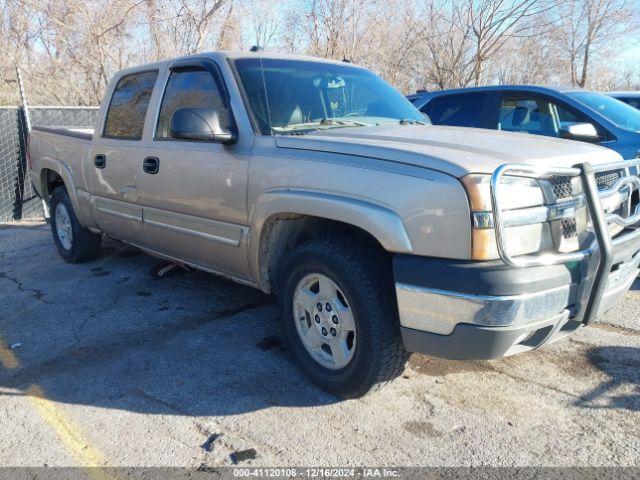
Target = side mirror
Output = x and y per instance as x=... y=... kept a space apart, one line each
x=201 y=124
x=579 y=131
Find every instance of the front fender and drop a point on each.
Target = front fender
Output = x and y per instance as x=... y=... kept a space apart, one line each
x=381 y=223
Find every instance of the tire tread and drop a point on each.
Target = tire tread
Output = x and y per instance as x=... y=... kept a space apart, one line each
x=86 y=244
x=369 y=266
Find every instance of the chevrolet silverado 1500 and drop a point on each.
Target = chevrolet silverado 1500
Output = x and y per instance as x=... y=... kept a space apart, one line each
x=317 y=181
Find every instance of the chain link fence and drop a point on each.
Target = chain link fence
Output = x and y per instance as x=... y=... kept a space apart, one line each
x=17 y=198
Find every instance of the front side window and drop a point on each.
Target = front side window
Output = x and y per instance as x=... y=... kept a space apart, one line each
x=292 y=96
x=191 y=87
x=536 y=115
x=566 y=116
x=457 y=110
x=128 y=107
x=530 y=115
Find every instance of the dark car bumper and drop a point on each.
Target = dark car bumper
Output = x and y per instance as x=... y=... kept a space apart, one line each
x=484 y=310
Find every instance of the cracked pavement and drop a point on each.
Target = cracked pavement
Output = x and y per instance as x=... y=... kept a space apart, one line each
x=148 y=369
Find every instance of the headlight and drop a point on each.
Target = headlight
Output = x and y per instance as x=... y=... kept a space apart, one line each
x=534 y=218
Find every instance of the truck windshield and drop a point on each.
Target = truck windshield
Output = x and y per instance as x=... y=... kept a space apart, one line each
x=623 y=115
x=294 y=96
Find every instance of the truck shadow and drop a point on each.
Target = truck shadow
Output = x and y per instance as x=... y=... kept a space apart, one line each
x=111 y=333
x=622 y=389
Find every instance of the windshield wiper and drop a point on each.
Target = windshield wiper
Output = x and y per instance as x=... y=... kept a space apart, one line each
x=325 y=122
x=410 y=121
x=342 y=121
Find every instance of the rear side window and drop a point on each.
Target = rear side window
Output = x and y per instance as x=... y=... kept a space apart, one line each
x=192 y=87
x=128 y=107
x=458 y=110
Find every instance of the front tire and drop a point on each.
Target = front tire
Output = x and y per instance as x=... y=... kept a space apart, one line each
x=340 y=317
x=74 y=243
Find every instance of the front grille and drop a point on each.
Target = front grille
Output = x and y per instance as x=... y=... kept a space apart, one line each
x=569 y=229
x=606 y=180
x=561 y=186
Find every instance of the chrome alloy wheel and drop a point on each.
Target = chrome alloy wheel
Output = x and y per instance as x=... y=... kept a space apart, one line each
x=324 y=321
x=63 y=226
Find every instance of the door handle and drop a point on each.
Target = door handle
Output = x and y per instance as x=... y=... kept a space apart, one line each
x=100 y=161
x=151 y=165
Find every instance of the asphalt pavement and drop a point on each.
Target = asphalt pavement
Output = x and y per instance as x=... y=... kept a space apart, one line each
x=106 y=363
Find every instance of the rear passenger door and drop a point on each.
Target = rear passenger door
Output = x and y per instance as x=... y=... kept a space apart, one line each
x=195 y=202
x=462 y=110
x=116 y=156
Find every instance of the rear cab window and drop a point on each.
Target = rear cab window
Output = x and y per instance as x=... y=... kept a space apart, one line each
x=128 y=107
x=466 y=110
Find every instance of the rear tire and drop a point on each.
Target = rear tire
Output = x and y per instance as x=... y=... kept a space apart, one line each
x=75 y=244
x=365 y=333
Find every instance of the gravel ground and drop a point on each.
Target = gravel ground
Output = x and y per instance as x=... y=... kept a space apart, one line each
x=114 y=366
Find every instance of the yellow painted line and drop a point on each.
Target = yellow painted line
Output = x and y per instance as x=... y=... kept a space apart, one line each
x=7 y=358
x=69 y=433
x=60 y=422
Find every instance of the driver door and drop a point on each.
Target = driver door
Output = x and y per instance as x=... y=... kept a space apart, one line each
x=194 y=199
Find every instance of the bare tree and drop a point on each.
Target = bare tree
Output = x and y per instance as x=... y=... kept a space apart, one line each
x=69 y=49
x=468 y=37
x=185 y=26
x=340 y=29
x=585 y=25
x=263 y=19
x=494 y=22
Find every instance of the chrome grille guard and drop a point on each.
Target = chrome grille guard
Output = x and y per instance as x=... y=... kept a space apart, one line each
x=600 y=220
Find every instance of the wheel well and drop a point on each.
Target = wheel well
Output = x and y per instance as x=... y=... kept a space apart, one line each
x=283 y=232
x=50 y=181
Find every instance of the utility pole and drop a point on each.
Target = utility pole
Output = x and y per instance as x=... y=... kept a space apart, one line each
x=27 y=121
x=23 y=99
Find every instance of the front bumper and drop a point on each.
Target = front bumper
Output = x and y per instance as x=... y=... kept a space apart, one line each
x=477 y=342
x=483 y=310
x=490 y=310
x=458 y=309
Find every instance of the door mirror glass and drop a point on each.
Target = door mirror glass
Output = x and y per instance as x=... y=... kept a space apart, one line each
x=579 y=131
x=200 y=124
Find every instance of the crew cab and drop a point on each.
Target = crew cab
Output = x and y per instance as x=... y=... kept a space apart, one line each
x=317 y=181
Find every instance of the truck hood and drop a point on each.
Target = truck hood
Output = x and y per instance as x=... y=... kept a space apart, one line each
x=454 y=150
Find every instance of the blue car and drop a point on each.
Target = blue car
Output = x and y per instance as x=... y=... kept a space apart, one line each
x=554 y=112
x=630 y=98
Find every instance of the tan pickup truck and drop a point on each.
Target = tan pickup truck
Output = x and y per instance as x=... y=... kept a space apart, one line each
x=317 y=181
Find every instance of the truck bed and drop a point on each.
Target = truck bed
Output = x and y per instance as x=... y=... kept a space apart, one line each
x=77 y=132
x=62 y=150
